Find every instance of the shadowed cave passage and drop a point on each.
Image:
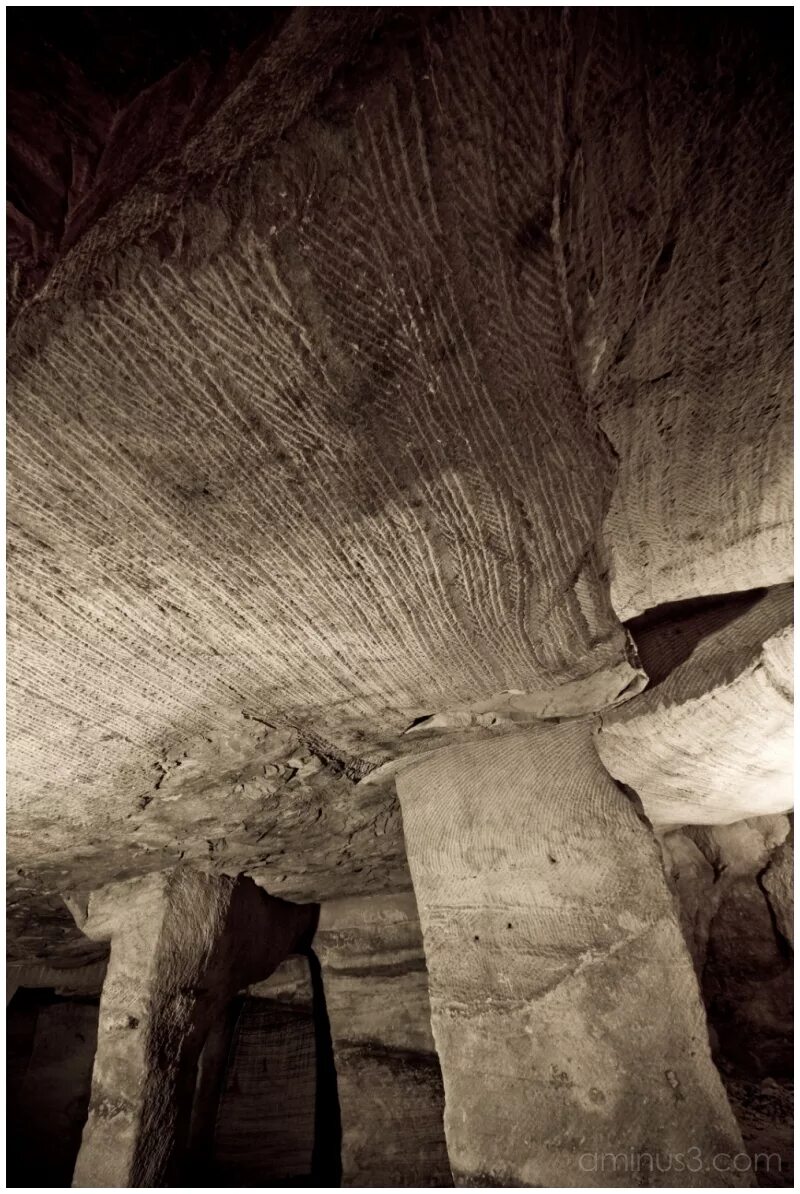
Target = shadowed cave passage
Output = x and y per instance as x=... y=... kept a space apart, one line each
x=266 y=1109
x=50 y=1043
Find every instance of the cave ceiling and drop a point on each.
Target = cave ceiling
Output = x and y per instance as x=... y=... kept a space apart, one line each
x=367 y=366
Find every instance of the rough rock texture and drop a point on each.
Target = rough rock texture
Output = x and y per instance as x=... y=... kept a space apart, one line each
x=246 y=798
x=182 y=944
x=566 y=1012
x=263 y=1132
x=265 y=1108
x=681 y=295
x=73 y=980
x=388 y=1076
x=778 y=883
x=745 y=967
x=748 y=989
x=345 y=368
x=747 y=984
x=702 y=863
x=765 y=1112
x=747 y=975
x=693 y=880
x=97 y=85
x=368 y=368
x=297 y=984
x=713 y=741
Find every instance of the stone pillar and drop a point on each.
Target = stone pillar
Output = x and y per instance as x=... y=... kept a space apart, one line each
x=389 y=1081
x=182 y=944
x=565 y=1007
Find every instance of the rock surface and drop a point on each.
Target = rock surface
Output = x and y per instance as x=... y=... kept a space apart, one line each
x=741 y=955
x=182 y=944
x=681 y=296
x=566 y=1012
x=713 y=741
x=247 y=798
x=263 y=1127
x=778 y=882
x=366 y=363
x=381 y=383
x=388 y=1077
x=703 y=863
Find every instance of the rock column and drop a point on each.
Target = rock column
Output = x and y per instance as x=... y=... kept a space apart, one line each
x=389 y=1080
x=565 y=1009
x=182 y=944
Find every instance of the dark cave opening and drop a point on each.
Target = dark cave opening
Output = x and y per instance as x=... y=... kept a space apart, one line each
x=265 y=1110
x=51 y=1042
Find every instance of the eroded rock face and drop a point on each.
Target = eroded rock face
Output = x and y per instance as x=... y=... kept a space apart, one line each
x=703 y=863
x=182 y=944
x=676 y=334
x=260 y=1126
x=712 y=742
x=565 y=1008
x=367 y=369
x=388 y=1077
x=382 y=379
x=245 y=798
x=778 y=883
x=744 y=965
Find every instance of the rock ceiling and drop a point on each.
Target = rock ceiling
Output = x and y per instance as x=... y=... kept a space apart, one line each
x=366 y=364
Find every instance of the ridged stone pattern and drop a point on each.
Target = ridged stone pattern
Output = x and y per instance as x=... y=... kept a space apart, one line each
x=565 y=1007
x=391 y=1097
x=713 y=742
x=264 y=1128
x=304 y=424
x=182 y=944
x=680 y=233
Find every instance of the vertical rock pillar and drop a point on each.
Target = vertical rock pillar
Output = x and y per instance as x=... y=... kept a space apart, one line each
x=565 y=1009
x=389 y=1080
x=182 y=944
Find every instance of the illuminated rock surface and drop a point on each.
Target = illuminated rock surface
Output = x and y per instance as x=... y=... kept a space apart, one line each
x=382 y=384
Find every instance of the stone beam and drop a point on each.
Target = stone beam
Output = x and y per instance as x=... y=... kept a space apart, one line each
x=389 y=1081
x=565 y=1009
x=712 y=742
x=182 y=944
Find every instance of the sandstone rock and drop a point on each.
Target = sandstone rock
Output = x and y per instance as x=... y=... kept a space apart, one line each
x=48 y=1083
x=182 y=944
x=692 y=878
x=703 y=864
x=389 y=1082
x=683 y=327
x=565 y=1008
x=712 y=742
x=778 y=883
x=260 y=1128
x=379 y=358
x=368 y=368
x=64 y=980
x=719 y=876
x=765 y=1111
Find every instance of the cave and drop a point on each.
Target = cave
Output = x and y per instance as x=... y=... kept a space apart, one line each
x=264 y=1111
x=400 y=599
